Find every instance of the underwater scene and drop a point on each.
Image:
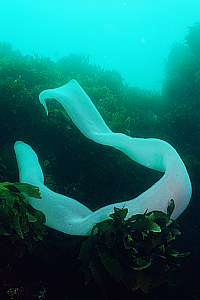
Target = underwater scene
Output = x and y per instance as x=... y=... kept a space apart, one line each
x=99 y=149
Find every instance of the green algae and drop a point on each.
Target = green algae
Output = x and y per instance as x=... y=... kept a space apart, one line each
x=135 y=252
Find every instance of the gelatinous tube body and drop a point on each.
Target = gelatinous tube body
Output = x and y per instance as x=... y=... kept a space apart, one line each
x=70 y=216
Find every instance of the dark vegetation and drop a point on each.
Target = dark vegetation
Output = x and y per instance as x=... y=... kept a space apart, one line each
x=136 y=252
x=94 y=174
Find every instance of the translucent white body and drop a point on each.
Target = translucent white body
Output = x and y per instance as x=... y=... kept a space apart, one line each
x=70 y=216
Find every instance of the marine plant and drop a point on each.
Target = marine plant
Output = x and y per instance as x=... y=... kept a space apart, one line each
x=21 y=226
x=136 y=252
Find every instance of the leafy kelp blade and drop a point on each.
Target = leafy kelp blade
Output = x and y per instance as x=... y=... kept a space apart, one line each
x=131 y=251
x=19 y=222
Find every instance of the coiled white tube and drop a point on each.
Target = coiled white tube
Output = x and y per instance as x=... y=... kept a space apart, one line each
x=70 y=216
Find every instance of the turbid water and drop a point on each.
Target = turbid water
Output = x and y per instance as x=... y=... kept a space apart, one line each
x=136 y=139
x=132 y=37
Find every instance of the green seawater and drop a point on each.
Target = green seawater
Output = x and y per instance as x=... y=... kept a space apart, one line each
x=139 y=61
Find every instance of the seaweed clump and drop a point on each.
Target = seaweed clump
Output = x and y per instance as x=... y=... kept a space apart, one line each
x=21 y=226
x=136 y=252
